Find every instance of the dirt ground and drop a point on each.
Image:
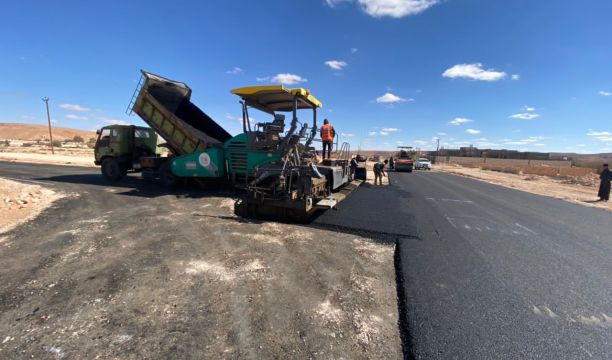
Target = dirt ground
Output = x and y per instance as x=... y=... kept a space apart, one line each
x=21 y=202
x=42 y=155
x=128 y=272
x=578 y=190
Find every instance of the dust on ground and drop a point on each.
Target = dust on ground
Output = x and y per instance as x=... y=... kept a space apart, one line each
x=21 y=202
x=136 y=274
x=579 y=190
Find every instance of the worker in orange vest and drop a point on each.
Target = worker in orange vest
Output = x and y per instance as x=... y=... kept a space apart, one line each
x=327 y=135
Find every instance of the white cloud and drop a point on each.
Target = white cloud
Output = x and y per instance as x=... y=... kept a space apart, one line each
x=529 y=108
x=421 y=142
x=532 y=140
x=395 y=8
x=372 y=133
x=389 y=98
x=265 y=78
x=334 y=3
x=336 y=64
x=354 y=50
x=28 y=117
x=235 y=118
x=390 y=129
x=524 y=116
x=604 y=136
x=486 y=143
x=515 y=77
x=605 y=93
x=76 y=117
x=347 y=135
x=384 y=133
x=599 y=133
x=474 y=72
x=288 y=79
x=73 y=107
x=460 y=121
x=116 y=122
x=234 y=71
x=472 y=131
x=515 y=143
x=441 y=134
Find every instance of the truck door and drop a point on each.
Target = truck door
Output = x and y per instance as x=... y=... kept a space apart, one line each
x=103 y=142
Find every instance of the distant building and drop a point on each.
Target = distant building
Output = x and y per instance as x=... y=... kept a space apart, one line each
x=472 y=151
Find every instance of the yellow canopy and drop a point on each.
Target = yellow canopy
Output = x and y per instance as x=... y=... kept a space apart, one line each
x=276 y=97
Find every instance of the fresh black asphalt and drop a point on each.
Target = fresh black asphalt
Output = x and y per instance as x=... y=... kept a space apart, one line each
x=488 y=272
x=484 y=272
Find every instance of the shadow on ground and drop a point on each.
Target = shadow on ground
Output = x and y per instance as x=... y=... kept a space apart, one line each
x=135 y=186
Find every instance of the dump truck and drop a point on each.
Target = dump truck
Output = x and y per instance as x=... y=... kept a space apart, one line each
x=164 y=105
x=273 y=166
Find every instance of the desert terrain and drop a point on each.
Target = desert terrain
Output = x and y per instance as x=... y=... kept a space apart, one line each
x=33 y=132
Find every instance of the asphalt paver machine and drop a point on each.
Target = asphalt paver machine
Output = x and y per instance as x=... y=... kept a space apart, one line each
x=276 y=164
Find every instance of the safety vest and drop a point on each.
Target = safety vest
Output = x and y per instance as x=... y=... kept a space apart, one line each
x=327 y=132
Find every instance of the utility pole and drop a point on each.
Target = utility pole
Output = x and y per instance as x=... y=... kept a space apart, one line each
x=46 y=100
x=437 y=149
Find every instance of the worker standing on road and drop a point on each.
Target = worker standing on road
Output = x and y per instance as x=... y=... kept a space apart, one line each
x=327 y=135
x=391 y=163
x=379 y=171
x=354 y=165
x=604 y=185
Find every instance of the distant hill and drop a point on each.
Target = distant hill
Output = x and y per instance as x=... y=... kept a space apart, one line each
x=41 y=132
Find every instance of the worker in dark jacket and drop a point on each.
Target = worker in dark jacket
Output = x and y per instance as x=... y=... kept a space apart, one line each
x=379 y=172
x=604 y=185
x=327 y=136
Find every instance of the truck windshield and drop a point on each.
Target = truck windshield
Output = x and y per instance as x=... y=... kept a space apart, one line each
x=141 y=134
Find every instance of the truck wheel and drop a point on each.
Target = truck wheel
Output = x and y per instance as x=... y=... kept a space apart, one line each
x=166 y=177
x=111 y=169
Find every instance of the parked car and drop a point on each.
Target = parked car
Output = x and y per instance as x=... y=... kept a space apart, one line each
x=422 y=164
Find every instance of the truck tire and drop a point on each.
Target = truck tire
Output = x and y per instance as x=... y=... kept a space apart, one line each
x=111 y=169
x=166 y=177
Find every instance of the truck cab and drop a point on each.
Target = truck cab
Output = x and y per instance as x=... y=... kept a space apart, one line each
x=120 y=148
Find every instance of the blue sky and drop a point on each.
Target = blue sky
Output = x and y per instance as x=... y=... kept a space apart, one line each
x=521 y=74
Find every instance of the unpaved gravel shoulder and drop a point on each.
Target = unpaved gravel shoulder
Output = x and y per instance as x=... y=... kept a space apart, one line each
x=21 y=202
x=44 y=158
x=571 y=190
x=117 y=275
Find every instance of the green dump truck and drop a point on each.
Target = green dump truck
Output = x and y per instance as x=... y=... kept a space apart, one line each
x=275 y=168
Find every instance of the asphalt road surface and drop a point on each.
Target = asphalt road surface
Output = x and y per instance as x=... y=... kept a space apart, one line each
x=487 y=272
